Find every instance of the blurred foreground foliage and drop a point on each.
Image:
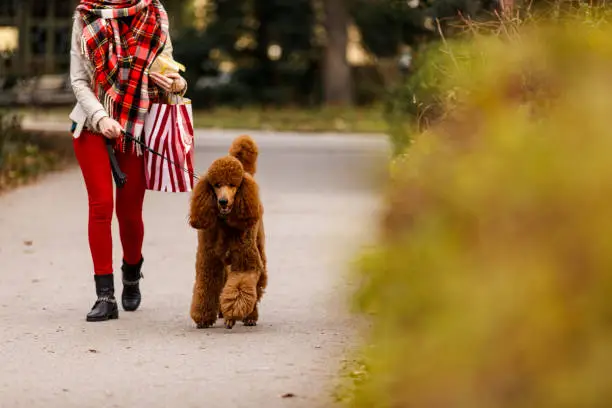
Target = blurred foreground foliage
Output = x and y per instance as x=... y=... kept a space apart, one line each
x=490 y=286
x=24 y=156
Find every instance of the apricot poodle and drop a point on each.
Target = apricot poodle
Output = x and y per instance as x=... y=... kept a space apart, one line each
x=231 y=263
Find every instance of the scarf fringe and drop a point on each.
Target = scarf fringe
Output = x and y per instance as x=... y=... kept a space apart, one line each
x=121 y=143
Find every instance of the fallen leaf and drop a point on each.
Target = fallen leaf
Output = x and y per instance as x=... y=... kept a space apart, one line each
x=93 y=350
x=288 y=395
x=28 y=243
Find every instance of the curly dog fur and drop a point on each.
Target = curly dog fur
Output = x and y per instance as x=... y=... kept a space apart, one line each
x=231 y=273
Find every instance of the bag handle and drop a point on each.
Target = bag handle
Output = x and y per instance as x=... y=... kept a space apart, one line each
x=174 y=96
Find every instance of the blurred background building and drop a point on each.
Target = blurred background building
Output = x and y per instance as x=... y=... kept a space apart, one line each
x=35 y=36
x=35 y=51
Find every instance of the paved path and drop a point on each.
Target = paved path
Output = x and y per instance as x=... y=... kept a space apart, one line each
x=320 y=194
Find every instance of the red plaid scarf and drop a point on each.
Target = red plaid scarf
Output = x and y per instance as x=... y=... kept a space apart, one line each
x=122 y=53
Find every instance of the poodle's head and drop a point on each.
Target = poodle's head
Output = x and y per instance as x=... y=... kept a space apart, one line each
x=225 y=176
x=226 y=192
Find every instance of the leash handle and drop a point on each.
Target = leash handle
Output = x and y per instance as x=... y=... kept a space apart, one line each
x=147 y=148
x=118 y=175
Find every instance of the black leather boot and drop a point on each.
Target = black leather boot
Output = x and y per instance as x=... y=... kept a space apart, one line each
x=105 y=307
x=130 y=298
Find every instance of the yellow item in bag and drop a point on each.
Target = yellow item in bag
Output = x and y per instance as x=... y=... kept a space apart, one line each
x=165 y=65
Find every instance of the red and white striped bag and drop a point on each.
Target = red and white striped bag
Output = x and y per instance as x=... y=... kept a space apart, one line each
x=168 y=130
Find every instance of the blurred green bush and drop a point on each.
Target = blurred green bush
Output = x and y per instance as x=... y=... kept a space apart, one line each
x=491 y=284
x=419 y=99
x=24 y=156
x=10 y=128
x=422 y=98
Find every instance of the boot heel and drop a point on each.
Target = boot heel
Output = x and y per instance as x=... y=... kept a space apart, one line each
x=105 y=308
x=131 y=297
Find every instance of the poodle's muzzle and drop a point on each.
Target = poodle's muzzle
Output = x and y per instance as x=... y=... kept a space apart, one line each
x=223 y=205
x=225 y=198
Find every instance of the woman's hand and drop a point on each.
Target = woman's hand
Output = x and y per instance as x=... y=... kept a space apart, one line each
x=171 y=82
x=110 y=128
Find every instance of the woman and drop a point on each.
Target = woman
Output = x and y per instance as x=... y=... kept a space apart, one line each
x=114 y=42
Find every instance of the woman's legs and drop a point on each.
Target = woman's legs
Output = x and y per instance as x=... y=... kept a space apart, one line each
x=92 y=155
x=130 y=199
x=90 y=151
x=131 y=228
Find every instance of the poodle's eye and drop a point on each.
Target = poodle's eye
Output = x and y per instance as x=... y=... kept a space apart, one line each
x=218 y=185
x=232 y=185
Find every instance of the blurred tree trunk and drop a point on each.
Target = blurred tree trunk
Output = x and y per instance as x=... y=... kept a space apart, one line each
x=336 y=70
x=264 y=13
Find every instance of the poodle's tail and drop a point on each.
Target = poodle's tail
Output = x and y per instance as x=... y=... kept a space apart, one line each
x=245 y=149
x=239 y=296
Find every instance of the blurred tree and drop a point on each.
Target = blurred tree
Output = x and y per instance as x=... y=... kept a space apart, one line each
x=402 y=25
x=269 y=41
x=294 y=51
x=192 y=49
x=336 y=70
x=180 y=13
x=388 y=24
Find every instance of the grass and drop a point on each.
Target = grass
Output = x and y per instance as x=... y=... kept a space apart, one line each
x=354 y=373
x=356 y=120
x=341 y=120
x=31 y=155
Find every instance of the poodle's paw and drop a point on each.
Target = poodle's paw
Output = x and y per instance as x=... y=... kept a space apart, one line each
x=203 y=318
x=229 y=323
x=205 y=324
x=251 y=320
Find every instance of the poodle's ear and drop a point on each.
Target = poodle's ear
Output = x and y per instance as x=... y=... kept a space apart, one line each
x=247 y=207
x=203 y=209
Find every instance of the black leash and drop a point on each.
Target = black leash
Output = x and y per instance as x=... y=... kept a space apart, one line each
x=141 y=143
x=119 y=176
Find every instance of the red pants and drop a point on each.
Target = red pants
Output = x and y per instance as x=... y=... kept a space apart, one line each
x=91 y=153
